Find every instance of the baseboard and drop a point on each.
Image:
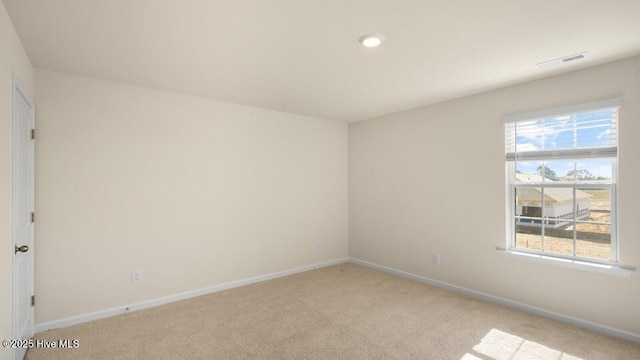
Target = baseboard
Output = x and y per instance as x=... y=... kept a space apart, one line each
x=56 y=324
x=603 y=329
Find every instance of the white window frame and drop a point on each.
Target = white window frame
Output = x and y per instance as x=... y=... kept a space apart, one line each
x=584 y=263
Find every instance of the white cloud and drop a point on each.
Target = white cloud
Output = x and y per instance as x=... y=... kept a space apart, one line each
x=527 y=147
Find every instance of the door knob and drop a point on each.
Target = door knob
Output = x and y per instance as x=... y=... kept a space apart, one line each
x=23 y=248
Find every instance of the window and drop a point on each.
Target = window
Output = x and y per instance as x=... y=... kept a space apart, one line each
x=562 y=166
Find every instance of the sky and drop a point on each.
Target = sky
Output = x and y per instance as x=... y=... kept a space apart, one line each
x=578 y=131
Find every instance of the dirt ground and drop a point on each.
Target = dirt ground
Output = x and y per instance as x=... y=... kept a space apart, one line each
x=585 y=248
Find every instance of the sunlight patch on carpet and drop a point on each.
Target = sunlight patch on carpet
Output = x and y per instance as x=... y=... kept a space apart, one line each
x=499 y=345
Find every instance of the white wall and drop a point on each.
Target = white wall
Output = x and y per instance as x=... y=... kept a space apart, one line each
x=432 y=180
x=12 y=59
x=194 y=192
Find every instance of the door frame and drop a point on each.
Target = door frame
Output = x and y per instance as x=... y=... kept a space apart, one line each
x=18 y=89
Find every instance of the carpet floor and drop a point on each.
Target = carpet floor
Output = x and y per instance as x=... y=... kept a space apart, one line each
x=344 y=311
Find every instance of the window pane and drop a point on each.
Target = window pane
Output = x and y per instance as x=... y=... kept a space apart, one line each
x=597 y=201
x=558 y=237
x=527 y=171
x=595 y=129
x=528 y=204
x=558 y=204
x=555 y=170
x=593 y=170
x=559 y=217
x=528 y=235
x=528 y=222
x=594 y=240
x=582 y=130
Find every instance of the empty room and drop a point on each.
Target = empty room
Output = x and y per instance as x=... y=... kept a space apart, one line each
x=217 y=179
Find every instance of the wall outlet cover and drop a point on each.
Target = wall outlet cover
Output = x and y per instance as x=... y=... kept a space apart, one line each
x=136 y=276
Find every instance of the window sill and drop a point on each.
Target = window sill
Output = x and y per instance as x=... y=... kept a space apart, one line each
x=612 y=270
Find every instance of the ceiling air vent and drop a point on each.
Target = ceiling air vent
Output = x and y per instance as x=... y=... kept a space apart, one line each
x=563 y=60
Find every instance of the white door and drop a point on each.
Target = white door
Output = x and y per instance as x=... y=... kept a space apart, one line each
x=22 y=191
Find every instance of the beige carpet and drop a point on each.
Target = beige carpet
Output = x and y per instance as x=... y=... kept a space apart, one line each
x=339 y=312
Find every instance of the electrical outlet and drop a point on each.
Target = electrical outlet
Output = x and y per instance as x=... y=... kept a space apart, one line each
x=136 y=276
x=318 y=247
x=435 y=259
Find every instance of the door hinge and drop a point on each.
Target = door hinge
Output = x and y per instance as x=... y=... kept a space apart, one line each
x=33 y=217
x=33 y=134
x=33 y=300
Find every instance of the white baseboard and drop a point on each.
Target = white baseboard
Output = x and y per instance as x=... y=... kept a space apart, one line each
x=603 y=329
x=56 y=324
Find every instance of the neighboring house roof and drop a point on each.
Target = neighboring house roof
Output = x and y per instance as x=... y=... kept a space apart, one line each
x=551 y=195
x=531 y=178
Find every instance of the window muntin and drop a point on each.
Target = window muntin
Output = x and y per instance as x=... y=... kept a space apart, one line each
x=562 y=184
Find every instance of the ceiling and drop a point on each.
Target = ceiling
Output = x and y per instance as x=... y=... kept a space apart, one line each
x=303 y=56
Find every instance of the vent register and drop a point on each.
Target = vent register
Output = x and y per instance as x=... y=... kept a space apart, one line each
x=563 y=60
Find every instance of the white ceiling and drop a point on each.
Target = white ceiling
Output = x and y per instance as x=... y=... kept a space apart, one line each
x=302 y=56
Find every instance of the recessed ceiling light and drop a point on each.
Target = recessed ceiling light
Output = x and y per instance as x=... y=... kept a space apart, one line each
x=371 y=40
x=563 y=60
